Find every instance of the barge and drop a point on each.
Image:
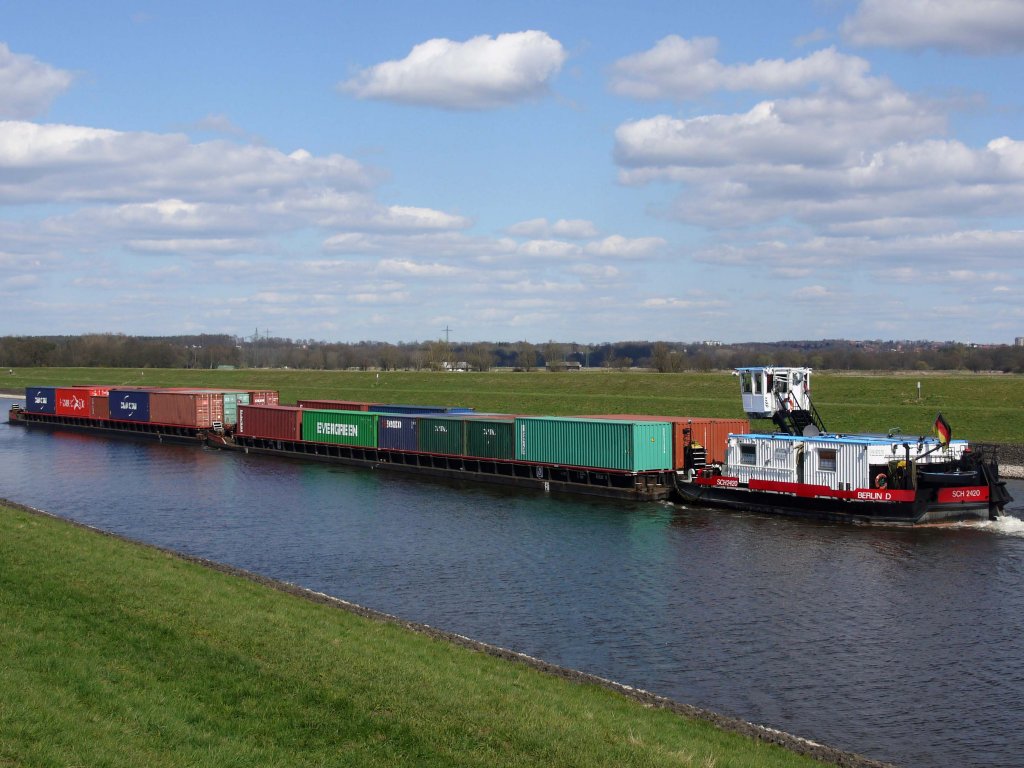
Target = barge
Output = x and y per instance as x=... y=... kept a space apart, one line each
x=800 y=469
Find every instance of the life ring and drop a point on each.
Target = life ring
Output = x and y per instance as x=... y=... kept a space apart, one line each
x=881 y=480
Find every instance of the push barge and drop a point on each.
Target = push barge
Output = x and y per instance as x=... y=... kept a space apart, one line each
x=800 y=469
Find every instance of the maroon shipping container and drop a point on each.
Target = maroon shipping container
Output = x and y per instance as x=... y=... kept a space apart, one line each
x=264 y=397
x=713 y=434
x=99 y=407
x=335 y=405
x=186 y=409
x=276 y=422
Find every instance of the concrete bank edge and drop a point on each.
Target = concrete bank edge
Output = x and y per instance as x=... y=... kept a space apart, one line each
x=763 y=733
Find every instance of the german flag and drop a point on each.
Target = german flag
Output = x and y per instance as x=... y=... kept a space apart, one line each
x=942 y=430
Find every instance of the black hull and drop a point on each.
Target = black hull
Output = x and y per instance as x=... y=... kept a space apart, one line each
x=646 y=486
x=917 y=512
x=121 y=429
x=625 y=486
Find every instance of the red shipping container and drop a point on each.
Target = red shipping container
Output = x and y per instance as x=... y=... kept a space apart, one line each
x=72 y=402
x=713 y=434
x=276 y=422
x=99 y=407
x=97 y=390
x=335 y=405
x=186 y=409
x=264 y=397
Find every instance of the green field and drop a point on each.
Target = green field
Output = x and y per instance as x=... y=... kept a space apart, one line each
x=115 y=654
x=985 y=408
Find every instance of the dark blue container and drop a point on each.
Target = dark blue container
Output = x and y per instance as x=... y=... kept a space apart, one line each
x=457 y=411
x=397 y=431
x=129 y=405
x=411 y=409
x=41 y=399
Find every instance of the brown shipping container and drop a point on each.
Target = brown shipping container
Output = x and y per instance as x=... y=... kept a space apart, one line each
x=99 y=407
x=187 y=409
x=335 y=405
x=277 y=422
x=713 y=434
x=264 y=397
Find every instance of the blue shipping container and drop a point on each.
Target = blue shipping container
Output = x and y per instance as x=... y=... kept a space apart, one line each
x=397 y=431
x=129 y=405
x=41 y=399
x=412 y=409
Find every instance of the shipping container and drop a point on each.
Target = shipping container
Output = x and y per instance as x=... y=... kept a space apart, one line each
x=342 y=427
x=335 y=405
x=712 y=434
x=442 y=434
x=397 y=431
x=129 y=404
x=99 y=407
x=416 y=409
x=40 y=399
x=71 y=401
x=633 y=446
x=491 y=438
x=264 y=397
x=187 y=409
x=276 y=422
x=233 y=399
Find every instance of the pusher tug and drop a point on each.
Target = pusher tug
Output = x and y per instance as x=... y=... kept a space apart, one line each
x=860 y=478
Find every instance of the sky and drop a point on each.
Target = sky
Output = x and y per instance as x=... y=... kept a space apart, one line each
x=572 y=171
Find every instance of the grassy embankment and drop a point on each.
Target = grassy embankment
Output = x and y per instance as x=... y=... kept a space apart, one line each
x=116 y=654
x=986 y=408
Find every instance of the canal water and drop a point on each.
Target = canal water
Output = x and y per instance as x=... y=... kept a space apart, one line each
x=902 y=645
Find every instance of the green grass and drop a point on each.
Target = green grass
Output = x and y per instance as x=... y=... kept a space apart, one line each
x=114 y=654
x=985 y=408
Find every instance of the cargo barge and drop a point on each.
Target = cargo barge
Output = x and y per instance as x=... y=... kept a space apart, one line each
x=800 y=469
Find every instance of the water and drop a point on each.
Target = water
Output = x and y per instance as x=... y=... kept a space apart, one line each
x=903 y=645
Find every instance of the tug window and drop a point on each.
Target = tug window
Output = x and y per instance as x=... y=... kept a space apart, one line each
x=746 y=382
x=827 y=459
x=748 y=454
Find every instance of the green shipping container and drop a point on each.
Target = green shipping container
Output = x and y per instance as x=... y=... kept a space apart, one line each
x=632 y=446
x=341 y=427
x=231 y=402
x=491 y=438
x=441 y=435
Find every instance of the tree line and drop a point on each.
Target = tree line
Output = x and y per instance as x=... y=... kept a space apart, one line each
x=214 y=350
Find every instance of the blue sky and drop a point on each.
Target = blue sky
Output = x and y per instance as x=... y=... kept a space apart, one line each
x=738 y=171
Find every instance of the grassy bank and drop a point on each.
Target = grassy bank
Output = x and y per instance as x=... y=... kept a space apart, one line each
x=986 y=408
x=117 y=654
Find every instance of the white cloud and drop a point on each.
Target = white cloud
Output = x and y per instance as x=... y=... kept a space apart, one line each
x=619 y=247
x=27 y=86
x=408 y=267
x=196 y=245
x=481 y=73
x=574 y=229
x=62 y=163
x=548 y=249
x=677 y=68
x=982 y=27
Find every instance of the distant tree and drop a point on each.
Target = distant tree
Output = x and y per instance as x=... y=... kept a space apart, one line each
x=526 y=355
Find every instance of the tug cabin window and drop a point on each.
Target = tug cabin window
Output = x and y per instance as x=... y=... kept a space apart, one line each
x=826 y=459
x=746 y=382
x=748 y=455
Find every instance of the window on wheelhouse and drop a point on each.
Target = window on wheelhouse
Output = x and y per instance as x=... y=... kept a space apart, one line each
x=827 y=459
x=746 y=382
x=748 y=455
